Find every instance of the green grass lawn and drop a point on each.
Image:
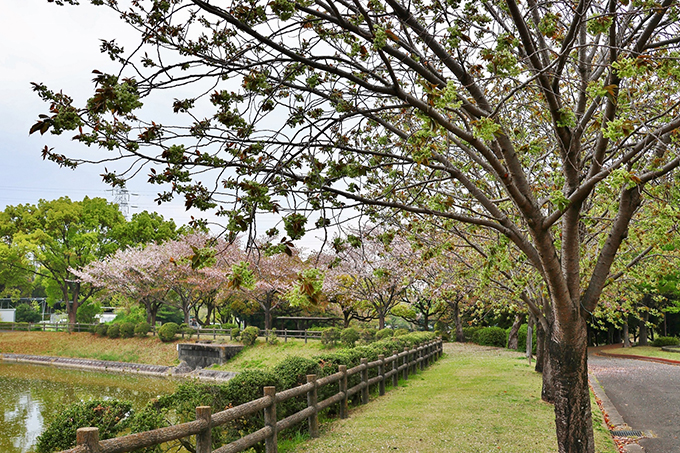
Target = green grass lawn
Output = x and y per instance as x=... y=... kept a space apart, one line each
x=645 y=351
x=474 y=399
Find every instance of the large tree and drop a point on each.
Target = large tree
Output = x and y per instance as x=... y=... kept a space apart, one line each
x=63 y=236
x=501 y=115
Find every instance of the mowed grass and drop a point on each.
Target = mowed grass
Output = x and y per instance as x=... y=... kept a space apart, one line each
x=645 y=351
x=149 y=350
x=475 y=399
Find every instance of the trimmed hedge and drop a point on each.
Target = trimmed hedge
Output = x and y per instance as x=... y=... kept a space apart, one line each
x=113 y=331
x=350 y=336
x=168 y=331
x=249 y=335
x=142 y=329
x=666 y=341
x=491 y=336
x=127 y=330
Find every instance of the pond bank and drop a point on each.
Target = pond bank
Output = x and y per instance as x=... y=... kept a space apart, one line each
x=181 y=371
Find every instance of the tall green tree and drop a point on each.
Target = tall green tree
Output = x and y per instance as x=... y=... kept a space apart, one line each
x=501 y=115
x=63 y=236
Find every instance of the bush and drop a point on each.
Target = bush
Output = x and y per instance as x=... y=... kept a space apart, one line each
x=400 y=332
x=228 y=326
x=142 y=329
x=384 y=333
x=469 y=332
x=113 y=331
x=235 y=333
x=666 y=341
x=330 y=336
x=491 y=336
x=350 y=336
x=445 y=335
x=102 y=329
x=249 y=335
x=26 y=313
x=127 y=330
x=109 y=416
x=367 y=335
x=272 y=338
x=186 y=330
x=168 y=331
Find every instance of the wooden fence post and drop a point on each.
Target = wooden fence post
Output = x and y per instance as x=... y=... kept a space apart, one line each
x=305 y=336
x=313 y=419
x=421 y=354
x=381 y=373
x=343 y=389
x=364 y=380
x=285 y=335
x=271 y=443
x=405 y=364
x=88 y=437
x=204 y=438
x=395 y=365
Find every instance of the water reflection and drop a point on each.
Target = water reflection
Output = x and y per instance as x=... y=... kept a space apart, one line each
x=31 y=394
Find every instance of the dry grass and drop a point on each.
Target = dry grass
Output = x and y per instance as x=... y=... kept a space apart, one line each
x=149 y=350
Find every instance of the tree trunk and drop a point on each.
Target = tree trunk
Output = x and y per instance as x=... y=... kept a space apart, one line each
x=541 y=347
x=573 y=416
x=530 y=334
x=642 y=339
x=626 y=335
x=460 y=336
x=512 y=337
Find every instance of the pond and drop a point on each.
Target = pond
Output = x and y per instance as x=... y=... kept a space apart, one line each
x=31 y=394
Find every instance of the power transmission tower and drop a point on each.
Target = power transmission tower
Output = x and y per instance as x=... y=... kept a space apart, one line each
x=121 y=197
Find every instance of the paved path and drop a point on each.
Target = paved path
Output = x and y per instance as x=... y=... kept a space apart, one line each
x=647 y=395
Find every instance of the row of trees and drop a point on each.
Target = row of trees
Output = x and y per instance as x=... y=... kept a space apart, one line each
x=42 y=246
x=546 y=125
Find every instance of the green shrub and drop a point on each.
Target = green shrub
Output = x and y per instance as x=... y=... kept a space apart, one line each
x=367 y=335
x=330 y=336
x=142 y=329
x=469 y=332
x=229 y=326
x=235 y=333
x=109 y=416
x=127 y=330
x=491 y=336
x=26 y=313
x=168 y=331
x=113 y=331
x=349 y=336
x=272 y=338
x=666 y=341
x=443 y=334
x=384 y=333
x=249 y=335
x=186 y=330
x=102 y=329
x=400 y=332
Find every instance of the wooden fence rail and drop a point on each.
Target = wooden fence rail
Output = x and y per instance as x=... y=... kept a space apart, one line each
x=404 y=362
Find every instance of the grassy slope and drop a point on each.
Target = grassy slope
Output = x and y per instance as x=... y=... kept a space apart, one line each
x=147 y=350
x=474 y=400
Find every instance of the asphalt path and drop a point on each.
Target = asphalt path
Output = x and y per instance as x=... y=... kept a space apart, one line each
x=647 y=395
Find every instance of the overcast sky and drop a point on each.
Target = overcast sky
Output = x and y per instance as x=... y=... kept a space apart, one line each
x=58 y=46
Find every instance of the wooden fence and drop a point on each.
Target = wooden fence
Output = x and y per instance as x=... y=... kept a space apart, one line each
x=388 y=369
